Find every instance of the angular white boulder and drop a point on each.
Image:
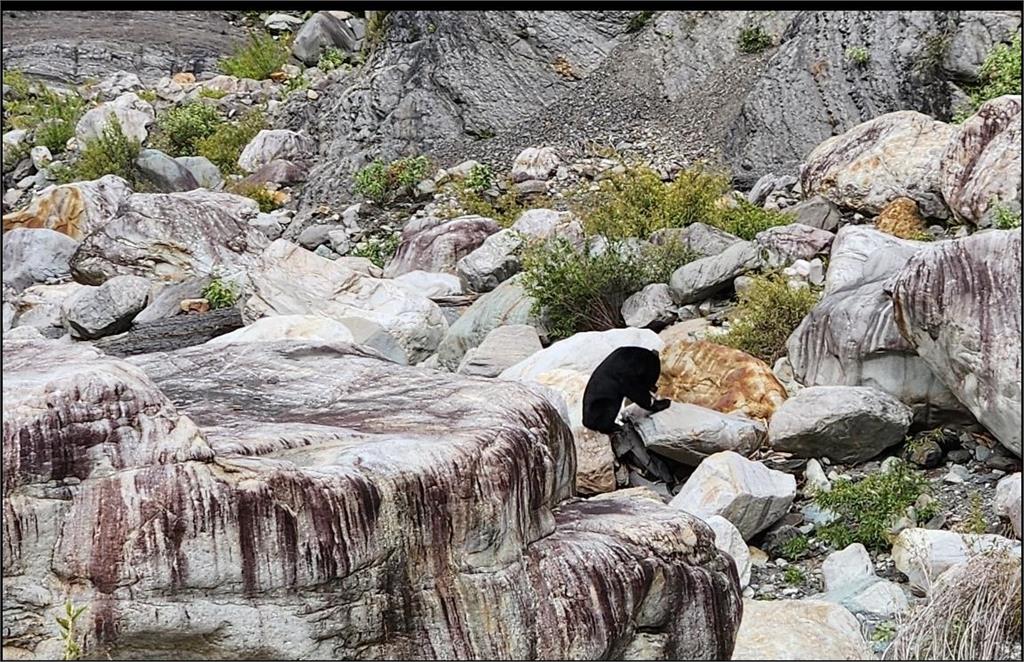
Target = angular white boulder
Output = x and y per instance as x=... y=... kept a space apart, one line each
x=924 y=554
x=689 y=433
x=799 y=630
x=745 y=492
x=134 y=115
x=36 y=255
x=73 y=209
x=271 y=144
x=1007 y=502
x=502 y=348
x=581 y=352
x=535 y=163
x=850 y=565
x=288 y=327
x=494 y=261
x=729 y=540
x=697 y=280
x=430 y=285
x=94 y=312
x=651 y=307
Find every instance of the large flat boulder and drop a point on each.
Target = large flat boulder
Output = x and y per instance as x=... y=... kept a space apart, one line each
x=73 y=209
x=289 y=280
x=432 y=244
x=687 y=433
x=799 y=630
x=959 y=305
x=279 y=482
x=581 y=352
x=171 y=237
x=980 y=170
x=36 y=255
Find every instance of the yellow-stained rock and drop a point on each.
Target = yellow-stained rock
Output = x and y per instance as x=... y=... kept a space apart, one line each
x=73 y=209
x=902 y=219
x=720 y=378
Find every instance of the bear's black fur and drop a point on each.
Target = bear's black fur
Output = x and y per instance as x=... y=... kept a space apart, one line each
x=628 y=372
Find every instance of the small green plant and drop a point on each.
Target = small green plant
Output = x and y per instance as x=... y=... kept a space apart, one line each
x=479 y=179
x=376 y=28
x=180 y=129
x=769 y=310
x=582 y=290
x=263 y=196
x=1005 y=218
x=638 y=20
x=149 y=96
x=746 y=219
x=637 y=203
x=975 y=520
x=68 y=635
x=298 y=83
x=884 y=632
x=1000 y=74
x=50 y=115
x=112 y=153
x=378 y=248
x=504 y=209
x=867 y=508
x=331 y=59
x=220 y=294
x=794 y=548
x=859 y=55
x=212 y=93
x=225 y=144
x=753 y=39
x=259 y=57
x=793 y=576
x=382 y=182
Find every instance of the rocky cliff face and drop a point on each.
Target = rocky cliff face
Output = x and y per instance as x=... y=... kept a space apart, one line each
x=208 y=503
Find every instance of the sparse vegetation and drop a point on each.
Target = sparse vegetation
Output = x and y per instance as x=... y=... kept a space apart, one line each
x=68 y=635
x=859 y=55
x=769 y=310
x=1000 y=74
x=638 y=20
x=220 y=294
x=259 y=57
x=263 y=196
x=745 y=219
x=112 y=153
x=479 y=179
x=376 y=28
x=383 y=182
x=378 y=248
x=973 y=613
x=180 y=129
x=51 y=116
x=583 y=290
x=794 y=548
x=975 y=520
x=867 y=508
x=149 y=96
x=299 y=82
x=1005 y=218
x=753 y=39
x=331 y=59
x=793 y=576
x=225 y=144
x=212 y=93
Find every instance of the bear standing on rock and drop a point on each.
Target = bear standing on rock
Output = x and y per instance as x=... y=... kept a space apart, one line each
x=628 y=372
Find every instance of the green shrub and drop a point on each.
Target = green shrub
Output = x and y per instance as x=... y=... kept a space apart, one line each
x=376 y=28
x=383 y=182
x=580 y=291
x=259 y=57
x=746 y=219
x=867 y=508
x=378 y=248
x=112 y=153
x=225 y=144
x=858 y=55
x=793 y=576
x=331 y=59
x=1000 y=74
x=753 y=39
x=68 y=634
x=263 y=196
x=638 y=20
x=179 y=130
x=212 y=93
x=148 y=96
x=50 y=115
x=220 y=294
x=975 y=520
x=637 y=203
x=1005 y=218
x=479 y=179
x=794 y=548
x=769 y=310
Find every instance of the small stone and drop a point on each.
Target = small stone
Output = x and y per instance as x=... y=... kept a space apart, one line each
x=194 y=305
x=957 y=474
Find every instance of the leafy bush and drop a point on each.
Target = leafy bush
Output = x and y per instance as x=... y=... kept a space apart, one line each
x=259 y=57
x=383 y=182
x=1000 y=74
x=225 y=144
x=637 y=202
x=584 y=290
x=50 y=115
x=331 y=59
x=378 y=248
x=858 y=55
x=1005 y=218
x=753 y=39
x=148 y=96
x=480 y=178
x=263 y=196
x=769 y=310
x=212 y=93
x=867 y=508
x=180 y=129
x=794 y=548
x=746 y=219
x=220 y=294
x=793 y=576
x=112 y=153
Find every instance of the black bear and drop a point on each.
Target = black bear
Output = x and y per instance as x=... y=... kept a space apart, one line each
x=630 y=372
